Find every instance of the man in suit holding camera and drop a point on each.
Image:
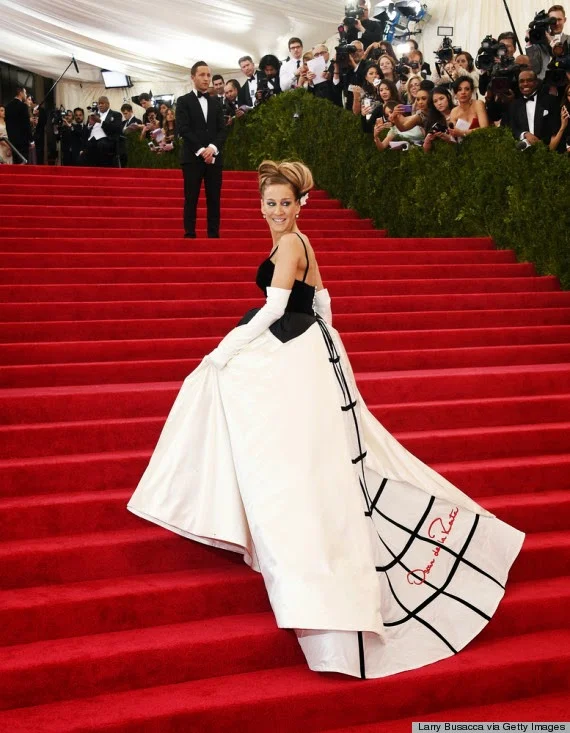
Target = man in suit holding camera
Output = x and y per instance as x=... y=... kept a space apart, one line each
x=201 y=125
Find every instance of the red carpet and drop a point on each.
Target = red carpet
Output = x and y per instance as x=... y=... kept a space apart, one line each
x=108 y=623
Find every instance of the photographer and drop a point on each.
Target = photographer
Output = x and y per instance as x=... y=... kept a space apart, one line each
x=270 y=66
x=247 y=92
x=63 y=133
x=438 y=123
x=536 y=116
x=546 y=30
x=290 y=69
x=360 y=27
x=325 y=88
x=367 y=97
x=399 y=132
x=146 y=103
x=348 y=69
x=561 y=141
x=231 y=109
x=413 y=121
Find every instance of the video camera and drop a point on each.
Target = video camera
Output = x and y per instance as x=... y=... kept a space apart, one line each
x=56 y=117
x=352 y=13
x=447 y=51
x=264 y=90
x=93 y=108
x=343 y=51
x=556 y=72
x=539 y=27
x=503 y=72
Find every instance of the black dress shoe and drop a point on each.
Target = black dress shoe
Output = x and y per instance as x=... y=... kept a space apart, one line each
x=214 y=235
x=188 y=235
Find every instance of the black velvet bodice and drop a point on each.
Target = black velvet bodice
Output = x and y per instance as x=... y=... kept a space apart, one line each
x=302 y=295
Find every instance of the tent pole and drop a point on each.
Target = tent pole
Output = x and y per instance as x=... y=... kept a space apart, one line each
x=513 y=26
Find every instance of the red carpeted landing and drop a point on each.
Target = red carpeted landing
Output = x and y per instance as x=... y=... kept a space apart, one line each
x=108 y=623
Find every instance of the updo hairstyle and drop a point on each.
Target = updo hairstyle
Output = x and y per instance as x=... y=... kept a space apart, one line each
x=293 y=174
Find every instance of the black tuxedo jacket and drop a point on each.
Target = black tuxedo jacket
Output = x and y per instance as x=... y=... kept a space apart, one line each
x=195 y=131
x=113 y=125
x=244 y=95
x=546 y=117
x=18 y=126
x=133 y=121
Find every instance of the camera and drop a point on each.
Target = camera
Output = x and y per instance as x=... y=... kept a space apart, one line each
x=377 y=53
x=343 y=51
x=263 y=90
x=438 y=127
x=539 y=27
x=93 y=108
x=56 y=117
x=556 y=72
x=504 y=73
x=447 y=51
x=352 y=14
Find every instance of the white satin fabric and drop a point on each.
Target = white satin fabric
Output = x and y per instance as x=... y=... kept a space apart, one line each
x=260 y=458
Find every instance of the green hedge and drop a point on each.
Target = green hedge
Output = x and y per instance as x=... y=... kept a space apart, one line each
x=485 y=186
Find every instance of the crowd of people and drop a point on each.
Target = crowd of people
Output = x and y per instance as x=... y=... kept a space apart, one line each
x=400 y=101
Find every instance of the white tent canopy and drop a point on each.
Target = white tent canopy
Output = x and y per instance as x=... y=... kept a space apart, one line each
x=156 y=42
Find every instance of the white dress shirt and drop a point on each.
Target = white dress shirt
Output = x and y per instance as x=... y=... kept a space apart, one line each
x=287 y=78
x=97 y=131
x=530 y=112
x=203 y=102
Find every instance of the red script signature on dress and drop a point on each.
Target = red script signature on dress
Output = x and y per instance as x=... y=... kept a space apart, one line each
x=419 y=575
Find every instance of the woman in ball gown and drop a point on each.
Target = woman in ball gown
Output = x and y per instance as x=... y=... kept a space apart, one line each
x=379 y=563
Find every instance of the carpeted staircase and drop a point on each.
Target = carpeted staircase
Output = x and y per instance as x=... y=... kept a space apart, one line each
x=108 y=623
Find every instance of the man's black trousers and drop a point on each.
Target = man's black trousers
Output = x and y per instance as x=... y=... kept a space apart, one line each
x=194 y=172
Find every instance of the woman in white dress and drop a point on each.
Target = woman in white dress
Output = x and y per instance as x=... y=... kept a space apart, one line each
x=378 y=562
x=5 y=150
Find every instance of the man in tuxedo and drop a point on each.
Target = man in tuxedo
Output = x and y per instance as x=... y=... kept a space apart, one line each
x=201 y=125
x=78 y=128
x=291 y=69
x=218 y=83
x=103 y=134
x=18 y=125
x=536 y=116
x=246 y=95
x=130 y=125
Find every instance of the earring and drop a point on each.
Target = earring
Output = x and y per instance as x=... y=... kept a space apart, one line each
x=296 y=216
x=263 y=215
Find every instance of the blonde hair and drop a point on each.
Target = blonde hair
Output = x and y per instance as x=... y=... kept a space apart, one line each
x=288 y=173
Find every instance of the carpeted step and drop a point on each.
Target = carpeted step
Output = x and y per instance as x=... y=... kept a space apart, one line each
x=130 y=602
x=497 y=418
x=126 y=350
x=449 y=384
x=400 y=390
x=47 y=671
x=39 y=173
x=173 y=369
x=547 y=708
x=238 y=259
x=464 y=311
x=145 y=550
x=50 y=515
x=96 y=555
x=247 y=202
x=166 y=212
x=314 y=229
x=128 y=243
x=527 y=474
x=223 y=273
x=178 y=291
x=473 y=413
x=108 y=328
x=294 y=698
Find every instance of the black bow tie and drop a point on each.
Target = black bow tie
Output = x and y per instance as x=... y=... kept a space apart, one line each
x=251 y=78
x=203 y=94
x=530 y=99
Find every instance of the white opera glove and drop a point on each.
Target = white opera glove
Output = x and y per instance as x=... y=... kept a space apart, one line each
x=322 y=305
x=234 y=342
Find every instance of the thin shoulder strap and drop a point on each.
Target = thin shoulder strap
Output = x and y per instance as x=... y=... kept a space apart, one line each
x=274 y=251
x=306 y=255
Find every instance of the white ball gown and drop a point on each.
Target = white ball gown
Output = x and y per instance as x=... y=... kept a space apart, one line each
x=379 y=563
